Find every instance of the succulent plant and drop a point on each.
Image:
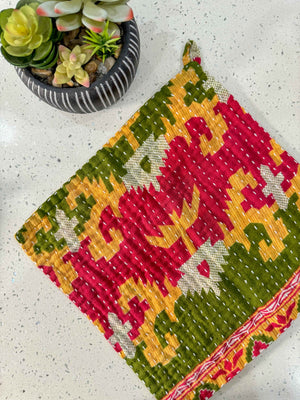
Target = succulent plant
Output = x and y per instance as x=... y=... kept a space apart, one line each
x=103 y=44
x=71 y=14
x=71 y=65
x=26 y=38
x=23 y=30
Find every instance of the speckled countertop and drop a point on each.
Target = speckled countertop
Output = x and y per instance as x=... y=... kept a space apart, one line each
x=49 y=350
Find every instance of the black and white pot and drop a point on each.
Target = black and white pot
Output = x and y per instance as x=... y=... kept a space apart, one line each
x=104 y=91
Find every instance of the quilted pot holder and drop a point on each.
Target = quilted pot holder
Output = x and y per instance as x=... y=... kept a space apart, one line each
x=180 y=238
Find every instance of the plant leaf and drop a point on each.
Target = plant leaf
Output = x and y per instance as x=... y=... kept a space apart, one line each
x=68 y=22
x=60 y=79
x=45 y=28
x=21 y=62
x=16 y=51
x=50 y=64
x=82 y=77
x=47 y=9
x=43 y=51
x=47 y=60
x=22 y=3
x=64 y=53
x=67 y=7
x=94 y=12
x=35 y=42
x=4 y=15
x=94 y=26
x=118 y=13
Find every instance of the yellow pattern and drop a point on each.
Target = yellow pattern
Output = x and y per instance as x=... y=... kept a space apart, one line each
x=276 y=152
x=186 y=57
x=98 y=325
x=190 y=396
x=240 y=219
x=64 y=272
x=216 y=125
x=154 y=352
x=178 y=108
x=171 y=233
x=125 y=131
x=295 y=187
x=98 y=246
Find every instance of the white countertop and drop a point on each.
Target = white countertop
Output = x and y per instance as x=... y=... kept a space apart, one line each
x=49 y=349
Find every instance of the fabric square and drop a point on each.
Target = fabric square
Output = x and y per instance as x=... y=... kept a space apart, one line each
x=180 y=238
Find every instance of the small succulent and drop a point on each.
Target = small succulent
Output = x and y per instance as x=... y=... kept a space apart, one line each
x=103 y=44
x=23 y=30
x=26 y=38
x=71 y=65
x=71 y=14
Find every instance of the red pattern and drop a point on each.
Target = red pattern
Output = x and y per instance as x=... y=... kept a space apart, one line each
x=230 y=369
x=206 y=394
x=52 y=275
x=144 y=210
x=258 y=347
x=284 y=321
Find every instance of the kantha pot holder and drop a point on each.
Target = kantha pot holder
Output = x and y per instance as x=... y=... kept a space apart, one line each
x=180 y=238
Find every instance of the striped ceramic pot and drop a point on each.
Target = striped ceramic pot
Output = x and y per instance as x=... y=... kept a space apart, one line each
x=104 y=91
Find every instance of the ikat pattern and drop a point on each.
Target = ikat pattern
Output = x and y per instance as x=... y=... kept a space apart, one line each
x=180 y=238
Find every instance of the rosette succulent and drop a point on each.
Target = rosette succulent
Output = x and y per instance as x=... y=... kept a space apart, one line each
x=27 y=38
x=71 y=14
x=71 y=65
x=23 y=30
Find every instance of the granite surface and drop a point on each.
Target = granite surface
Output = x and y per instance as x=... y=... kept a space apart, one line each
x=48 y=349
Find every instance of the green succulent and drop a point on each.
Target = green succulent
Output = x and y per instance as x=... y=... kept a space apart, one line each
x=23 y=30
x=103 y=44
x=26 y=38
x=71 y=14
x=71 y=65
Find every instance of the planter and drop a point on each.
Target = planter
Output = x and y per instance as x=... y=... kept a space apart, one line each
x=102 y=93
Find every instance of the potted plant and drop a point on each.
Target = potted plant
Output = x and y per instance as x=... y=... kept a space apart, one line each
x=79 y=56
